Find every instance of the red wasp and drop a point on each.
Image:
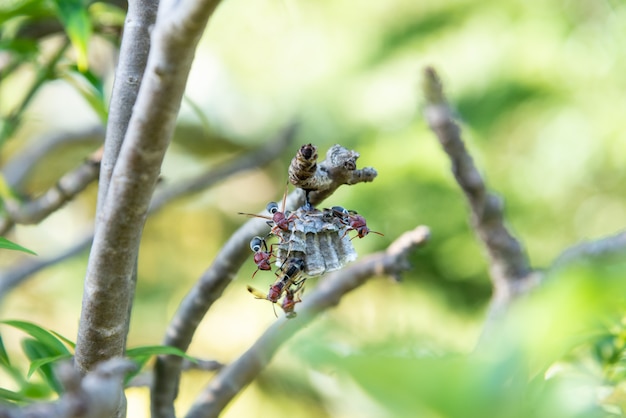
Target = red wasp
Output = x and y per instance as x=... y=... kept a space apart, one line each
x=287 y=276
x=353 y=221
x=280 y=219
x=262 y=254
x=291 y=298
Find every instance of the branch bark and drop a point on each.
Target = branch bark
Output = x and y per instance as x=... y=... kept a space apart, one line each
x=134 y=51
x=108 y=284
x=237 y=375
x=509 y=267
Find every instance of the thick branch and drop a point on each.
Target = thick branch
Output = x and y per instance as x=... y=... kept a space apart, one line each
x=108 y=284
x=96 y=395
x=509 y=265
x=237 y=375
x=211 y=285
x=134 y=51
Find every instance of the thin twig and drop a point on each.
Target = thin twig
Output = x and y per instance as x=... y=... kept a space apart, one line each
x=215 y=279
x=13 y=120
x=257 y=157
x=15 y=276
x=509 y=265
x=16 y=170
x=603 y=247
x=238 y=374
x=68 y=186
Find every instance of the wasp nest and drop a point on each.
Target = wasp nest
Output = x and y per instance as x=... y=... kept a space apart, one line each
x=311 y=242
x=319 y=238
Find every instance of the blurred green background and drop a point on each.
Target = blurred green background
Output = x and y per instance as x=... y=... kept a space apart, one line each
x=539 y=92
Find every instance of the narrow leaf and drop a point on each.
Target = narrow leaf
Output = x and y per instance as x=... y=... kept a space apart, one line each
x=67 y=341
x=38 y=363
x=8 y=245
x=35 y=351
x=155 y=350
x=91 y=89
x=73 y=14
x=9 y=395
x=45 y=337
x=4 y=356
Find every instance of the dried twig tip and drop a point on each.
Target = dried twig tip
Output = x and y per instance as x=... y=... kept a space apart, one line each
x=433 y=89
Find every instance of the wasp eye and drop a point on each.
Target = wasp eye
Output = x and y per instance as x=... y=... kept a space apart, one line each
x=256 y=244
x=272 y=207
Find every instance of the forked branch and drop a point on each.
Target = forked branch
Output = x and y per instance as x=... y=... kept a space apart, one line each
x=237 y=375
x=215 y=279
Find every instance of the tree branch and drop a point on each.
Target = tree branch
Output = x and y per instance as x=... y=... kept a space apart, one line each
x=95 y=395
x=509 y=265
x=603 y=247
x=109 y=284
x=133 y=55
x=68 y=186
x=237 y=375
x=12 y=278
x=17 y=168
x=215 y=279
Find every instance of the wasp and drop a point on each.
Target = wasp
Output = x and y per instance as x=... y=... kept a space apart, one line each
x=280 y=220
x=288 y=275
x=292 y=296
x=353 y=221
x=262 y=254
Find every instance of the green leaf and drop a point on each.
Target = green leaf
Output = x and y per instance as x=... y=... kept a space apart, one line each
x=9 y=395
x=4 y=356
x=21 y=8
x=45 y=337
x=156 y=350
x=64 y=339
x=141 y=355
x=91 y=88
x=107 y=15
x=8 y=245
x=39 y=363
x=36 y=350
x=73 y=14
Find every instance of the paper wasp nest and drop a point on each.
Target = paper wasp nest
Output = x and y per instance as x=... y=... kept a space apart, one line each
x=311 y=242
x=319 y=238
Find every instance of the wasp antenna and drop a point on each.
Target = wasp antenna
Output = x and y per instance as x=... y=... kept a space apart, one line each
x=256 y=293
x=254 y=215
x=285 y=196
